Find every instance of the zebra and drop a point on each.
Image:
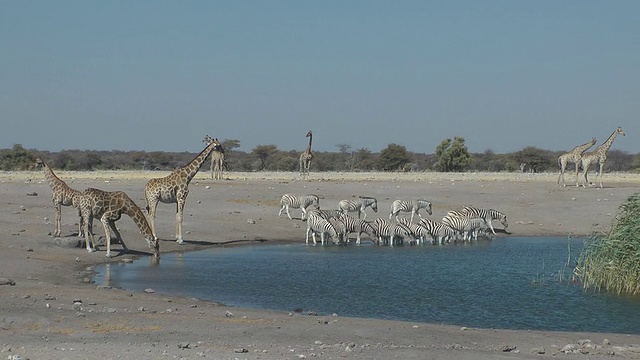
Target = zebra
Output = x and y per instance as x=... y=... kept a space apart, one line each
x=359 y=205
x=358 y=226
x=298 y=201
x=409 y=206
x=327 y=214
x=318 y=225
x=467 y=226
x=387 y=232
x=440 y=232
x=419 y=232
x=488 y=215
x=341 y=230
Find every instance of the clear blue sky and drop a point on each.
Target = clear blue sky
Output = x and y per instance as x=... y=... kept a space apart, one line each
x=159 y=75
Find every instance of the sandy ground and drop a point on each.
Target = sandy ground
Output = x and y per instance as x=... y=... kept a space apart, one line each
x=54 y=310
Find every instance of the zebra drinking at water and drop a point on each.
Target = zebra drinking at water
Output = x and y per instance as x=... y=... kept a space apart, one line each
x=488 y=215
x=359 y=205
x=409 y=206
x=420 y=233
x=469 y=227
x=318 y=225
x=439 y=231
x=388 y=232
x=358 y=226
x=298 y=201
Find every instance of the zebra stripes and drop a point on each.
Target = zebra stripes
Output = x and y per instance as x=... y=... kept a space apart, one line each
x=419 y=232
x=298 y=201
x=440 y=232
x=358 y=226
x=319 y=225
x=487 y=214
x=465 y=225
x=388 y=233
x=359 y=205
x=409 y=206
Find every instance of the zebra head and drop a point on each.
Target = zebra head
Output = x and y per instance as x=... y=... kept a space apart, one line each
x=424 y=204
x=369 y=201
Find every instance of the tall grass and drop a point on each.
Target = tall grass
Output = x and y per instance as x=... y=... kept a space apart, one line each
x=611 y=261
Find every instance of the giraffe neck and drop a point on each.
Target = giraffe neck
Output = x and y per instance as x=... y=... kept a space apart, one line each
x=582 y=148
x=310 y=139
x=191 y=169
x=602 y=149
x=135 y=213
x=52 y=179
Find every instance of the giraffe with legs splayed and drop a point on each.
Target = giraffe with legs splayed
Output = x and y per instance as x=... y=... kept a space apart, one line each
x=108 y=206
x=598 y=156
x=573 y=156
x=306 y=157
x=174 y=188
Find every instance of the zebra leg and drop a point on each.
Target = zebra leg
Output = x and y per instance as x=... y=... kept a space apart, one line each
x=491 y=227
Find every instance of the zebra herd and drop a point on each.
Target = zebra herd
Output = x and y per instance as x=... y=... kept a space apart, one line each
x=336 y=225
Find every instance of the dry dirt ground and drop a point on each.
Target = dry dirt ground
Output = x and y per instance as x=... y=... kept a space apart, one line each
x=50 y=307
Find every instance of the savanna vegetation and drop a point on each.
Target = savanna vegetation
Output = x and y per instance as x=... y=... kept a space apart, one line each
x=451 y=155
x=611 y=261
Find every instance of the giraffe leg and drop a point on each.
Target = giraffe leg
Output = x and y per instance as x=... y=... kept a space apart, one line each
x=88 y=232
x=80 y=225
x=152 y=203
x=600 y=173
x=107 y=234
x=58 y=220
x=585 y=169
x=179 y=218
x=577 y=174
x=117 y=233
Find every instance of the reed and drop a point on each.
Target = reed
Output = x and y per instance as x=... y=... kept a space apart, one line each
x=611 y=261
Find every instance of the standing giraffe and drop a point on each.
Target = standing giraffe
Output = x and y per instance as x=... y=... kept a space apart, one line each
x=305 y=157
x=573 y=156
x=599 y=156
x=174 y=188
x=62 y=195
x=108 y=206
x=217 y=161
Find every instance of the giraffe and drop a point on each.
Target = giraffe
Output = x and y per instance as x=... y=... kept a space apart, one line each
x=306 y=157
x=174 y=188
x=217 y=161
x=108 y=206
x=599 y=156
x=62 y=195
x=573 y=156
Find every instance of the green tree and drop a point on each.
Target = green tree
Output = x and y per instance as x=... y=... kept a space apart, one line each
x=452 y=156
x=263 y=153
x=532 y=158
x=18 y=158
x=230 y=144
x=394 y=157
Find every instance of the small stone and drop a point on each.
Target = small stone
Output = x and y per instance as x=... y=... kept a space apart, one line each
x=228 y=313
x=507 y=348
x=7 y=281
x=606 y=342
x=568 y=348
x=141 y=308
x=538 y=350
x=183 y=345
x=149 y=290
x=251 y=221
x=240 y=350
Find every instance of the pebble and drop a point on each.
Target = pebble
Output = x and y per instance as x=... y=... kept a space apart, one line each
x=7 y=281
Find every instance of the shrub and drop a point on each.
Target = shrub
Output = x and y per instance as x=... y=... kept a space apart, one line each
x=611 y=261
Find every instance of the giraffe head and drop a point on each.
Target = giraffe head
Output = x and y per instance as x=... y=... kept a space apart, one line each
x=309 y=134
x=216 y=143
x=154 y=245
x=620 y=131
x=39 y=163
x=593 y=141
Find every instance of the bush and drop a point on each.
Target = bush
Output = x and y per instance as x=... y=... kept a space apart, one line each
x=611 y=262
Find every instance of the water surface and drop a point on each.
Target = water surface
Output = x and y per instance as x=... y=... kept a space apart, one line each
x=513 y=283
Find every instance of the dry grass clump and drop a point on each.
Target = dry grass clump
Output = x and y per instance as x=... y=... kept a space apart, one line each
x=611 y=262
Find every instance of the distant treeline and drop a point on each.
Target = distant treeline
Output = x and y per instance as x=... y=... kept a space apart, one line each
x=270 y=158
